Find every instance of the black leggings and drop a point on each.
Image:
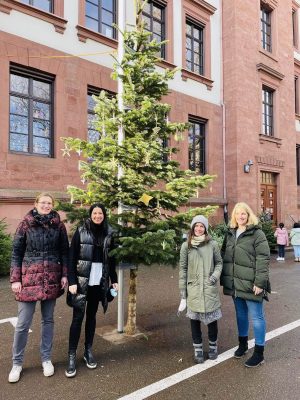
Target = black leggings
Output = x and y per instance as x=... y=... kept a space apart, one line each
x=94 y=296
x=197 y=334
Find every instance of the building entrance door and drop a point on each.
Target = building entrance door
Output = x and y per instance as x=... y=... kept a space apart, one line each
x=268 y=195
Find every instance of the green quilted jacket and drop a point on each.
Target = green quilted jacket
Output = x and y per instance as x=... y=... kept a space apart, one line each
x=245 y=263
x=196 y=265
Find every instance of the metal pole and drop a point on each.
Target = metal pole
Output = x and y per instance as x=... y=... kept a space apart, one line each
x=121 y=25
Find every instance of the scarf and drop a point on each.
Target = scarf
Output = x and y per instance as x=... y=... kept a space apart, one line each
x=42 y=219
x=197 y=240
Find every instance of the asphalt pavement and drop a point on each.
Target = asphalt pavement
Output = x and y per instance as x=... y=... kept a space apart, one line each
x=163 y=348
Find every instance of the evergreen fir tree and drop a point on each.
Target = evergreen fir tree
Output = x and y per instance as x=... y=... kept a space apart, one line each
x=152 y=188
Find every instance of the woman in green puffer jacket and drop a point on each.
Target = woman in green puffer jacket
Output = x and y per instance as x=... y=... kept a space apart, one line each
x=245 y=277
x=199 y=271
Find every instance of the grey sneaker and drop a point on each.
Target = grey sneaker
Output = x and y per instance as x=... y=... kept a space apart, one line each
x=48 y=368
x=15 y=374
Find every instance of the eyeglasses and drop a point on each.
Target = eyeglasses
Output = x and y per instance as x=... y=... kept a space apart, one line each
x=44 y=203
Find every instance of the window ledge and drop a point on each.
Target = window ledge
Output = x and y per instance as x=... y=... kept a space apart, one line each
x=6 y=6
x=297 y=117
x=84 y=33
x=268 y=54
x=166 y=64
x=186 y=74
x=272 y=139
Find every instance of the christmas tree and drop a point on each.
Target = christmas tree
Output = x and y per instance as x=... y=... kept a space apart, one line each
x=151 y=188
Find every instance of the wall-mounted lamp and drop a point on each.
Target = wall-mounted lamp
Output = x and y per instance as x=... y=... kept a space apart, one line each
x=247 y=166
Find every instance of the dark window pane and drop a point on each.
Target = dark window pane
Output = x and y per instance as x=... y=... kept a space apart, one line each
x=157 y=27
x=41 y=90
x=18 y=142
x=188 y=29
x=43 y=5
x=18 y=84
x=91 y=24
x=188 y=43
x=41 y=110
x=147 y=8
x=91 y=102
x=108 y=4
x=41 y=145
x=107 y=31
x=18 y=124
x=147 y=22
x=93 y=136
x=107 y=17
x=18 y=105
x=157 y=13
x=91 y=10
x=41 y=128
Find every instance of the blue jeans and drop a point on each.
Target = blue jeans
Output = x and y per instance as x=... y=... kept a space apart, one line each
x=256 y=310
x=281 y=252
x=296 y=250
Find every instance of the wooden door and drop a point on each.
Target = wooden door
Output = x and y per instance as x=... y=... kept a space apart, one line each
x=268 y=198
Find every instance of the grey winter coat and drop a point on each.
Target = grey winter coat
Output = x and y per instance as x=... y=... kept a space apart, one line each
x=196 y=265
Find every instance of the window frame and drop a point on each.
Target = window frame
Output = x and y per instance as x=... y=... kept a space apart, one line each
x=198 y=12
x=201 y=42
x=40 y=76
x=202 y=169
x=91 y=90
x=266 y=28
x=162 y=23
x=268 y=118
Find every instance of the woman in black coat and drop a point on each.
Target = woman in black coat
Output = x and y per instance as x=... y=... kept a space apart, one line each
x=90 y=273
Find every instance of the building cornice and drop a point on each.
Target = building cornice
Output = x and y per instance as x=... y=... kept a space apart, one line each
x=204 y=5
x=270 y=3
x=270 y=71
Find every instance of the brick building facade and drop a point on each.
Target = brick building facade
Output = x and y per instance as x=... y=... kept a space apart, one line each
x=238 y=86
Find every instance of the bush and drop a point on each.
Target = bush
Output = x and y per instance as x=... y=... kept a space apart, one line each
x=5 y=249
x=268 y=229
x=217 y=232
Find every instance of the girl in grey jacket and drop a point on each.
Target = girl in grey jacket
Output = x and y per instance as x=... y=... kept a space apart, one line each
x=199 y=271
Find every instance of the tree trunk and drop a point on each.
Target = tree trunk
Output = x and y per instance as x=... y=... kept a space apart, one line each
x=130 y=327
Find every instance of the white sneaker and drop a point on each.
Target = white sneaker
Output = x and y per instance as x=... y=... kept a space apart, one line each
x=282 y=258
x=278 y=258
x=15 y=373
x=48 y=368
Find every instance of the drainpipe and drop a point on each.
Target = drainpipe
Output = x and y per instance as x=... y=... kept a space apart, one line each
x=223 y=116
x=121 y=25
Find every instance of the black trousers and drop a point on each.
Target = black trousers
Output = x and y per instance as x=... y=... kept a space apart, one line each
x=197 y=333
x=94 y=296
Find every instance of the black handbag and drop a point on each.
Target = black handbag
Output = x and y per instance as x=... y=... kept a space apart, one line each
x=76 y=300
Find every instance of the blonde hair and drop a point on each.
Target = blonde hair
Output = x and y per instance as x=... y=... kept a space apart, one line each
x=252 y=218
x=44 y=194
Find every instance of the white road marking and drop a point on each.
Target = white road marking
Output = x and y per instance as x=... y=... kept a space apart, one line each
x=12 y=320
x=187 y=373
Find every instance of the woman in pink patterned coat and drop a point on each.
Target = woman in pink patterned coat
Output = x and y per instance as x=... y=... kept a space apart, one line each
x=38 y=273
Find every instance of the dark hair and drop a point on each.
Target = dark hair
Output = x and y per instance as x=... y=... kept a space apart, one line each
x=281 y=225
x=104 y=224
x=97 y=205
x=296 y=225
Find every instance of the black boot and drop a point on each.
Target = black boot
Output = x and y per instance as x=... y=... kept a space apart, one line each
x=213 y=350
x=243 y=347
x=257 y=357
x=89 y=359
x=70 y=372
x=198 y=353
